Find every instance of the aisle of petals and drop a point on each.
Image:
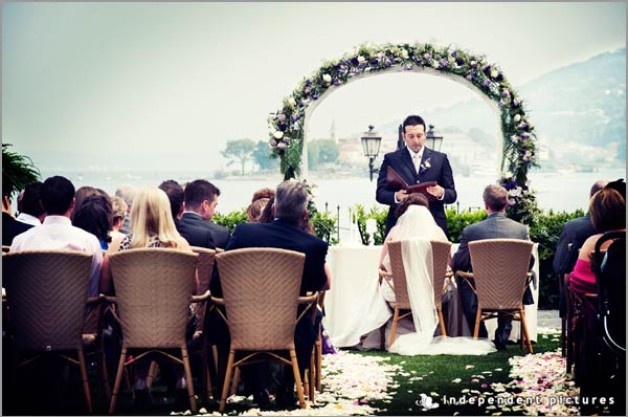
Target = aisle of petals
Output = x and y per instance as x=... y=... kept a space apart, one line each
x=351 y=381
x=540 y=384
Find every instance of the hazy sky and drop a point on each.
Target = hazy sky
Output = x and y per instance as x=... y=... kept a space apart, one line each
x=171 y=82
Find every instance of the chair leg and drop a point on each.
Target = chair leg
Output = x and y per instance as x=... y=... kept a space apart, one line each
x=476 y=329
x=188 y=378
x=206 y=384
x=393 y=329
x=235 y=381
x=116 y=384
x=441 y=321
x=297 y=378
x=382 y=337
x=311 y=375
x=88 y=397
x=319 y=361
x=524 y=325
x=225 y=387
x=105 y=374
x=152 y=373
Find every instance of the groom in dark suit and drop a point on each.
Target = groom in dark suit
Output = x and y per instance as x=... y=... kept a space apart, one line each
x=416 y=164
x=495 y=226
x=290 y=208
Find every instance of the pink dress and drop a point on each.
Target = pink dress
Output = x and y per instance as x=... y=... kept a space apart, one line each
x=582 y=278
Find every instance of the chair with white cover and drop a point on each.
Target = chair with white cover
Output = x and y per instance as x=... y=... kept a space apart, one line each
x=154 y=289
x=500 y=271
x=402 y=308
x=47 y=295
x=261 y=294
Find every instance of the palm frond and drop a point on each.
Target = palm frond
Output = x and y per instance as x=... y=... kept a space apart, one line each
x=17 y=171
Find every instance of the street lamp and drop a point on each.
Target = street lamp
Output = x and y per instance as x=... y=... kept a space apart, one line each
x=370 y=146
x=434 y=141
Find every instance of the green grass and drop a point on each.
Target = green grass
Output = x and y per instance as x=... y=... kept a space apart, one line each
x=439 y=371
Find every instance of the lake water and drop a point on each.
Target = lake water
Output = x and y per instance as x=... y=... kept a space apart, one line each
x=566 y=192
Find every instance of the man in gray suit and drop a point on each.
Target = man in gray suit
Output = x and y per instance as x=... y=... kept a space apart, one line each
x=495 y=226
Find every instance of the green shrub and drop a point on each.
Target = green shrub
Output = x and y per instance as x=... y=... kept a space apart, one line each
x=545 y=230
x=230 y=220
x=458 y=221
x=325 y=227
x=361 y=215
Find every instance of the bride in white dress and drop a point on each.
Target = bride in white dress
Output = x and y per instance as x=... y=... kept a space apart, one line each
x=415 y=228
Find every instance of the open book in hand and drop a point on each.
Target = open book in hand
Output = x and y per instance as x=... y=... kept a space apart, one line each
x=396 y=183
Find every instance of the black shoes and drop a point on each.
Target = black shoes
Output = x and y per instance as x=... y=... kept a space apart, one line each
x=262 y=400
x=500 y=346
x=143 y=399
x=286 y=400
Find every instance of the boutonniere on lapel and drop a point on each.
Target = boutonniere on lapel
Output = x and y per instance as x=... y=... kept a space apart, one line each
x=425 y=165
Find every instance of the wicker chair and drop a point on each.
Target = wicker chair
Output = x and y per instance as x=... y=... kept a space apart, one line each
x=47 y=295
x=440 y=259
x=206 y=258
x=261 y=294
x=500 y=271
x=154 y=288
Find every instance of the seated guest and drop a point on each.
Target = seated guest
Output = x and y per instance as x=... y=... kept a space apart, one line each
x=607 y=209
x=10 y=226
x=258 y=202
x=29 y=205
x=152 y=226
x=57 y=232
x=127 y=193
x=94 y=215
x=267 y=215
x=573 y=235
x=495 y=226
x=174 y=191
x=119 y=209
x=285 y=232
x=254 y=210
x=201 y=199
x=415 y=220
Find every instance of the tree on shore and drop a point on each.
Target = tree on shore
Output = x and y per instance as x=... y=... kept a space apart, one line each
x=18 y=171
x=240 y=150
x=262 y=157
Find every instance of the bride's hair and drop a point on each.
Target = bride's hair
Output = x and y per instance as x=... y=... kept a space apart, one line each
x=413 y=199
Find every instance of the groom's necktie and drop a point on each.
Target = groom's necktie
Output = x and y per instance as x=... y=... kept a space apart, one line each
x=416 y=160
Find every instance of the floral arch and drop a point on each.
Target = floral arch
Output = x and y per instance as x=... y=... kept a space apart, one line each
x=288 y=125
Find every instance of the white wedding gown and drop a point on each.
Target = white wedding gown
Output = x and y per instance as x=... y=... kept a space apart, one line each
x=417 y=262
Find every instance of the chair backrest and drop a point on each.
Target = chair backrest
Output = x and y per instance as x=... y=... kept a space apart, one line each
x=154 y=287
x=440 y=259
x=205 y=267
x=46 y=294
x=399 y=274
x=260 y=288
x=500 y=269
x=610 y=275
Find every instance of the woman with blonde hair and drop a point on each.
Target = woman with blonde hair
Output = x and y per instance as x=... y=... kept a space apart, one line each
x=152 y=225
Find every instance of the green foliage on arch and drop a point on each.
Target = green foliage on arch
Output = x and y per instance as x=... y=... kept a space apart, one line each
x=519 y=148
